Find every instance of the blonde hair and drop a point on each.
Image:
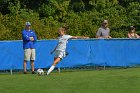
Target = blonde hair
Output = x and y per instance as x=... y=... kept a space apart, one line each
x=62 y=29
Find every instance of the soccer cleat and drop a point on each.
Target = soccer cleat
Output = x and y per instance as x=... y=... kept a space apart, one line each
x=25 y=72
x=46 y=74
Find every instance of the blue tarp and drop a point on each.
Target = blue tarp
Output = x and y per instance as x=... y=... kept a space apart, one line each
x=104 y=52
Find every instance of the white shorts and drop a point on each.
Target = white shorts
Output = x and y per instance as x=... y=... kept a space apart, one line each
x=29 y=54
x=60 y=54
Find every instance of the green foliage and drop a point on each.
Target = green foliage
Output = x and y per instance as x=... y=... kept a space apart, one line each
x=77 y=5
x=99 y=4
x=134 y=13
x=83 y=17
x=14 y=8
x=46 y=10
x=81 y=24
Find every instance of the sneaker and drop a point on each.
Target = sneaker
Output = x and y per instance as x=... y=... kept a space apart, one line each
x=25 y=72
x=33 y=72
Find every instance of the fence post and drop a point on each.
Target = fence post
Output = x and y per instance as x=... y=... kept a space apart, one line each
x=59 y=69
x=11 y=71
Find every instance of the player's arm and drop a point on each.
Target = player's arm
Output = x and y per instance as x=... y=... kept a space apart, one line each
x=107 y=37
x=25 y=36
x=34 y=37
x=99 y=37
x=54 y=49
x=137 y=36
x=129 y=36
x=79 y=37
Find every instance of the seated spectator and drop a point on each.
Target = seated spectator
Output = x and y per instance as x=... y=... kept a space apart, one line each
x=132 y=33
x=103 y=31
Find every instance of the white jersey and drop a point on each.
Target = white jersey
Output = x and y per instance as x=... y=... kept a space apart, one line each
x=62 y=42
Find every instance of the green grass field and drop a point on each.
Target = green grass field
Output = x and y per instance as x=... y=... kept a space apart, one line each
x=103 y=81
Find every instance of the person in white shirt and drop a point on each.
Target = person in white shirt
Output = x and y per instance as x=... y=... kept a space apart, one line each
x=61 y=47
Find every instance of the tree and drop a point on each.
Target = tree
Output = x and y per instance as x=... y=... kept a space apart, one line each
x=77 y=5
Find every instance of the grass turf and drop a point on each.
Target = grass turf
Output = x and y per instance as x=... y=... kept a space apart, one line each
x=104 y=81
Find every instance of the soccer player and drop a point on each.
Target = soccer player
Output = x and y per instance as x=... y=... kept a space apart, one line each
x=29 y=38
x=61 y=47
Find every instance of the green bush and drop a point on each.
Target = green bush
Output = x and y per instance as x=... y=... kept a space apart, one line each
x=82 y=17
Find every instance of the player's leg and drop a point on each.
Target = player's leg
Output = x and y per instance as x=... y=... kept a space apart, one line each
x=58 y=56
x=33 y=55
x=56 y=61
x=32 y=66
x=24 y=66
x=27 y=53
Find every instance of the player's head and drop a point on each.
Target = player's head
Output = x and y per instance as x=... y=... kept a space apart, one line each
x=132 y=29
x=105 y=23
x=27 y=25
x=62 y=31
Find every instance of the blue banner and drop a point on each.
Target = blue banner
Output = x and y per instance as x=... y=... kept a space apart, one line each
x=103 y=52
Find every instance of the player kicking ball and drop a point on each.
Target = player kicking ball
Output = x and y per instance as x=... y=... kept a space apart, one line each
x=60 y=49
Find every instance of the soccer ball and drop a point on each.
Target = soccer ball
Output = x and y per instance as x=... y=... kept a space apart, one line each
x=40 y=72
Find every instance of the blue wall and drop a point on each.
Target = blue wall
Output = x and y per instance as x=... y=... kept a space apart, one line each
x=109 y=52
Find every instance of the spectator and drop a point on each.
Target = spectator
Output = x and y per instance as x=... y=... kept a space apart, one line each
x=29 y=38
x=132 y=33
x=103 y=31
